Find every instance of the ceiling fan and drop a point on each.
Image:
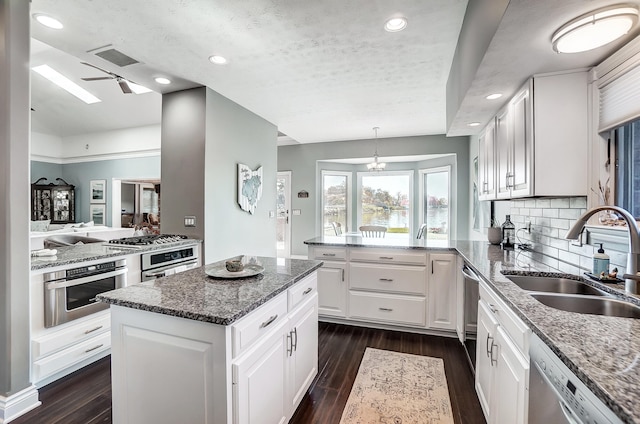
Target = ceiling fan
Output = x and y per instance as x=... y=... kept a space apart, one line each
x=123 y=83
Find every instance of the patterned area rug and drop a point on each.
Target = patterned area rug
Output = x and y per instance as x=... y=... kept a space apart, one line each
x=398 y=388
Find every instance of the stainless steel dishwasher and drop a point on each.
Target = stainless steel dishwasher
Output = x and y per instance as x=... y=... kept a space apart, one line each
x=557 y=396
x=471 y=297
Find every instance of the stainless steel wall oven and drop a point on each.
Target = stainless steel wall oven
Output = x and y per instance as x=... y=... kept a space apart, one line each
x=71 y=294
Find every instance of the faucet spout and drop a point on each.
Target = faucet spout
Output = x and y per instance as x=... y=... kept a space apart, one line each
x=633 y=258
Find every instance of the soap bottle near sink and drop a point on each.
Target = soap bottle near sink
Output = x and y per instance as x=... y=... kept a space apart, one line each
x=600 y=262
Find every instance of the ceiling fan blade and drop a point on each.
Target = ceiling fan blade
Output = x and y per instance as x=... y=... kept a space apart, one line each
x=124 y=86
x=97 y=78
x=99 y=69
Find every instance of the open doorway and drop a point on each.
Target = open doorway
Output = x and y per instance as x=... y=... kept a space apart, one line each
x=137 y=203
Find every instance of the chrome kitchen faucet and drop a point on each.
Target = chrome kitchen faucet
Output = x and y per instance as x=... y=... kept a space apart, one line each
x=633 y=258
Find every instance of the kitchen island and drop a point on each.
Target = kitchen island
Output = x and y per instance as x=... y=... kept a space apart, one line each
x=602 y=351
x=197 y=349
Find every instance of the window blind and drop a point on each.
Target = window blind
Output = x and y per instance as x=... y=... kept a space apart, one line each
x=620 y=99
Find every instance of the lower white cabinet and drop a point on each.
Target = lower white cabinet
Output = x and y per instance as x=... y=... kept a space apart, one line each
x=302 y=362
x=442 y=291
x=502 y=362
x=332 y=289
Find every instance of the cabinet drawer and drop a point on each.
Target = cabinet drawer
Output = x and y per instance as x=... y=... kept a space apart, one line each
x=302 y=290
x=389 y=256
x=65 y=358
x=248 y=330
x=513 y=326
x=388 y=308
x=388 y=278
x=69 y=336
x=330 y=253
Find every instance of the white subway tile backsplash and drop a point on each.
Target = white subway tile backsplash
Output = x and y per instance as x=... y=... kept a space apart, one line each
x=550 y=219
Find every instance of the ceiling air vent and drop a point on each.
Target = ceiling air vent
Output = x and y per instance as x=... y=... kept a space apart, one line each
x=114 y=56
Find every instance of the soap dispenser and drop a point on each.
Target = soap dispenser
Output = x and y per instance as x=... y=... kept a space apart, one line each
x=600 y=262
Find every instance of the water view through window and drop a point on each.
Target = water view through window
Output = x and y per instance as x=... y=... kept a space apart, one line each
x=334 y=202
x=385 y=200
x=436 y=197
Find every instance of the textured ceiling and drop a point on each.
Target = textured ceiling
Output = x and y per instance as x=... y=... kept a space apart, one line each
x=320 y=70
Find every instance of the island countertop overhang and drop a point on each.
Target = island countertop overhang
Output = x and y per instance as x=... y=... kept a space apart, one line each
x=195 y=295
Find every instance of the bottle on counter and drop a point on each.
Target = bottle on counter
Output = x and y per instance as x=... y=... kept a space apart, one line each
x=508 y=233
x=600 y=262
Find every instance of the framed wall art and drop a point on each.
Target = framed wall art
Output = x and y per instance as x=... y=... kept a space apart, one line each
x=98 y=191
x=97 y=214
x=249 y=187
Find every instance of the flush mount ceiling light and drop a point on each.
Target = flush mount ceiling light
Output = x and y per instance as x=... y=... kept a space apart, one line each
x=493 y=96
x=218 y=60
x=376 y=165
x=595 y=29
x=65 y=83
x=162 y=80
x=395 y=24
x=48 y=21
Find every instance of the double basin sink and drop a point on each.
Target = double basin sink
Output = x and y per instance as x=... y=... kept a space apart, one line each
x=574 y=296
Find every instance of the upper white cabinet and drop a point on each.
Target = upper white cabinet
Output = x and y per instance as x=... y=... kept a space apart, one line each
x=486 y=163
x=540 y=140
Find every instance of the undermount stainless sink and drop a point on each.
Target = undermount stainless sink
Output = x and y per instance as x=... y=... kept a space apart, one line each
x=589 y=305
x=554 y=285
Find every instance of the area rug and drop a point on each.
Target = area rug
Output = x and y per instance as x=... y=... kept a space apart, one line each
x=398 y=388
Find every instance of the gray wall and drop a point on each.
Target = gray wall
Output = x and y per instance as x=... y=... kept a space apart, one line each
x=301 y=161
x=204 y=137
x=81 y=173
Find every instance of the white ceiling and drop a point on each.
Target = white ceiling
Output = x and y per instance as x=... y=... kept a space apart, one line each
x=320 y=70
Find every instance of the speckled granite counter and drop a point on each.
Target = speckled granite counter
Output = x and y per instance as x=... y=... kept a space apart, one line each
x=604 y=352
x=194 y=295
x=95 y=251
x=386 y=242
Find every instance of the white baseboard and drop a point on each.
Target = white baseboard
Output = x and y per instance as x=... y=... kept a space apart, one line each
x=18 y=404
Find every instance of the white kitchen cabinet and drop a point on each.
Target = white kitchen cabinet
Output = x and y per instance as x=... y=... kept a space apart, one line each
x=332 y=289
x=260 y=390
x=302 y=362
x=541 y=129
x=486 y=163
x=502 y=361
x=442 y=289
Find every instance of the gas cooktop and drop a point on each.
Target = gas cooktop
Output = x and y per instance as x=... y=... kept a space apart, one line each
x=147 y=240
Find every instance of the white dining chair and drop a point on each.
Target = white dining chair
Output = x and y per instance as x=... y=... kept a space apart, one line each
x=375 y=231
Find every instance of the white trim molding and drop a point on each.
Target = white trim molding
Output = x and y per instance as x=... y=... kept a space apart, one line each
x=94 y=158
x=18 y=404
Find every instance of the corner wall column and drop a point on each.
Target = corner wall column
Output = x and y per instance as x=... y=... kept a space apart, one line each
x=17 y=394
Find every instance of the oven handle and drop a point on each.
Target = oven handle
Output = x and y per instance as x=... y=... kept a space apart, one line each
x=158 y=274
x=70 y=283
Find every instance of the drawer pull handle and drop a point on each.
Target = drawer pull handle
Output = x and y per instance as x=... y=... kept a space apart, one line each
x=94 y=348
x=93 y=329
x=328 y=254
x=307 y=291
x=386 y=257
x=387 y=279
x=295 y=337
x=386 y=309
x=492 y=308
x=269 y=321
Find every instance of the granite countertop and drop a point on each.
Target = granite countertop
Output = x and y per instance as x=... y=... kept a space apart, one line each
x=385 y=242
x=604 y=352
x=95 y=251
x=195 y=295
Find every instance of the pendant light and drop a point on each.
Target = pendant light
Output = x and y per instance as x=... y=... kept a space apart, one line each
x=376 y=165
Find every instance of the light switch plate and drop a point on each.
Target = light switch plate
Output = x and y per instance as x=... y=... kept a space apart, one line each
x=189 y=221
x=297 y=212
x=272 y=214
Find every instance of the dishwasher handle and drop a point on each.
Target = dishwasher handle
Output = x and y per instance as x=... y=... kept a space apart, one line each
x=468 y=273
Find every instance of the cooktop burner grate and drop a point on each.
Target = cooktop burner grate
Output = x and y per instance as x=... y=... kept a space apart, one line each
x=147 y=240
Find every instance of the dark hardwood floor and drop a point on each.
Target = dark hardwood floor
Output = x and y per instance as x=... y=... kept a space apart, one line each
x=84 y=397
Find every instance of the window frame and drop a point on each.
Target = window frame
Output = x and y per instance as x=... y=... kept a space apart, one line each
x=421 y=174
x=410 y=173
x=349 y=200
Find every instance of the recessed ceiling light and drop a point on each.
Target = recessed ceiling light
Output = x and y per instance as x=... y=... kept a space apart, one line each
x=395 y=24
x=595 y=29
x=66 y=84
x=218 y=60
x=48 y=21
x=493 y=96
x=163 y=81
x=474 y=124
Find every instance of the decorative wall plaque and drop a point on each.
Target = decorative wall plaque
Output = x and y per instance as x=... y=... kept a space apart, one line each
x=249 y=187
x=303 y=194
